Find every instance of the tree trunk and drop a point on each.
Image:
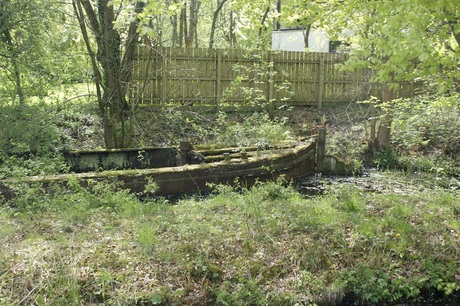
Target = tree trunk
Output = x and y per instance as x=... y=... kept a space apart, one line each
x=17 y=81
x=8 y=39
x=372 y=141
x=384 y=133
x=220 y=5
x=112 y=69
x=262 y=22
x=174 y=35
x=183 y=25
x=193 y=22
x=231 y=33
x=306 y=35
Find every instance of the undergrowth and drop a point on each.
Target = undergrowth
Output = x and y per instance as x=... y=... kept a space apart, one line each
x=167 y=127
x=261 y=246
x=425 y=135
x=33 y=137
x=267 y=245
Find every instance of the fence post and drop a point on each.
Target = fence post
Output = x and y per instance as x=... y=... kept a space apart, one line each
x=163 y=79
x=271 y=86
x=185 y=148
x=320 y=149
x=320 y=82
x=218 y=78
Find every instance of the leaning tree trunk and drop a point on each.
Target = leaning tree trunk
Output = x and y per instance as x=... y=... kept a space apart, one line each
x=262 y=25
x=214 y=22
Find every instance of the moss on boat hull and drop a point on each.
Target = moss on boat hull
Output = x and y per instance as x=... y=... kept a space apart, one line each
x=293 y=163
x=120 y=159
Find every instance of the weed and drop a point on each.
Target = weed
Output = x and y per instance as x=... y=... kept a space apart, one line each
x=386 y=159
x=238 y=246
x=267 y=133
x=147 y=236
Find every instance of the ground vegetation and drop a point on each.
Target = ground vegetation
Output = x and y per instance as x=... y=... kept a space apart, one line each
x=261 y=246
x=390 y=239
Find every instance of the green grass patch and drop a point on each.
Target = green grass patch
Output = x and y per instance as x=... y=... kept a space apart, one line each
x=238 y=246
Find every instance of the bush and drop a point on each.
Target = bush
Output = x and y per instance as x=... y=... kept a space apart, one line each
x=33 y=137
x=28 y=130
x=428 y=126
x=256 y=129
x=30 y=141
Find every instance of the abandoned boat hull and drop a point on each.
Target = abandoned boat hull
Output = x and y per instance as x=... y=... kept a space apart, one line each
x=292 y=163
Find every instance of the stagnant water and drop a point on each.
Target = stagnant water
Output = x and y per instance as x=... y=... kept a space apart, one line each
x=376 y=181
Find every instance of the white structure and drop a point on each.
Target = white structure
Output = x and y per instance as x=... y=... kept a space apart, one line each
x=293 y=40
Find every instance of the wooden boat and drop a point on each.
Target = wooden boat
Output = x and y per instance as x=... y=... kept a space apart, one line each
x=193 y=171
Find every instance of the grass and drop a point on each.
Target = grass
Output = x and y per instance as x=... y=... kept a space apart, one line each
x=264 y=246
x=267 y=245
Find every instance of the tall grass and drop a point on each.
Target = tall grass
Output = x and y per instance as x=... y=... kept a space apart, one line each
x=261 y=246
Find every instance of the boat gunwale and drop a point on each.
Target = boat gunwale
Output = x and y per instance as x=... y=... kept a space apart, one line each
x=151 y=171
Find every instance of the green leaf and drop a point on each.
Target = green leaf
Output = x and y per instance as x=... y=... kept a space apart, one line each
x=156 y=299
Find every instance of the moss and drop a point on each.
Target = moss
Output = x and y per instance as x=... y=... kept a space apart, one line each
x=85 y=162
x=77 y=152
x=335 y=166
x=114 y=161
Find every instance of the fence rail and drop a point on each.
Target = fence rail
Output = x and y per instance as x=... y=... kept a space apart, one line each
x=234 y=77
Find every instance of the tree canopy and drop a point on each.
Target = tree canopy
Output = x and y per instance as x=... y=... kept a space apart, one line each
x=39 y=48
x=41 y=42
x=401 y=40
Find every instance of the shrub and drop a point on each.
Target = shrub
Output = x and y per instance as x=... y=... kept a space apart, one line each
x=256 y=129
x=427 y=132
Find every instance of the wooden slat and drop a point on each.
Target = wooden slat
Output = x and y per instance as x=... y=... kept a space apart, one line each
x=206 y=77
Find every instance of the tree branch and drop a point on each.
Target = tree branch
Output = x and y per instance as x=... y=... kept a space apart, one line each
x=97 y=74
x=130 y=46
x=214 y=21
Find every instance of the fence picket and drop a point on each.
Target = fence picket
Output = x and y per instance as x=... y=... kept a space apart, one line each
x=206 y=77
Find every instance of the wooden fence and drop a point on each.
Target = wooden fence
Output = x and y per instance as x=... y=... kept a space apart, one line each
x=233 y=77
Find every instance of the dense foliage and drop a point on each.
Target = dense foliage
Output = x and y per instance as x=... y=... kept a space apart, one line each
x=40 y=48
